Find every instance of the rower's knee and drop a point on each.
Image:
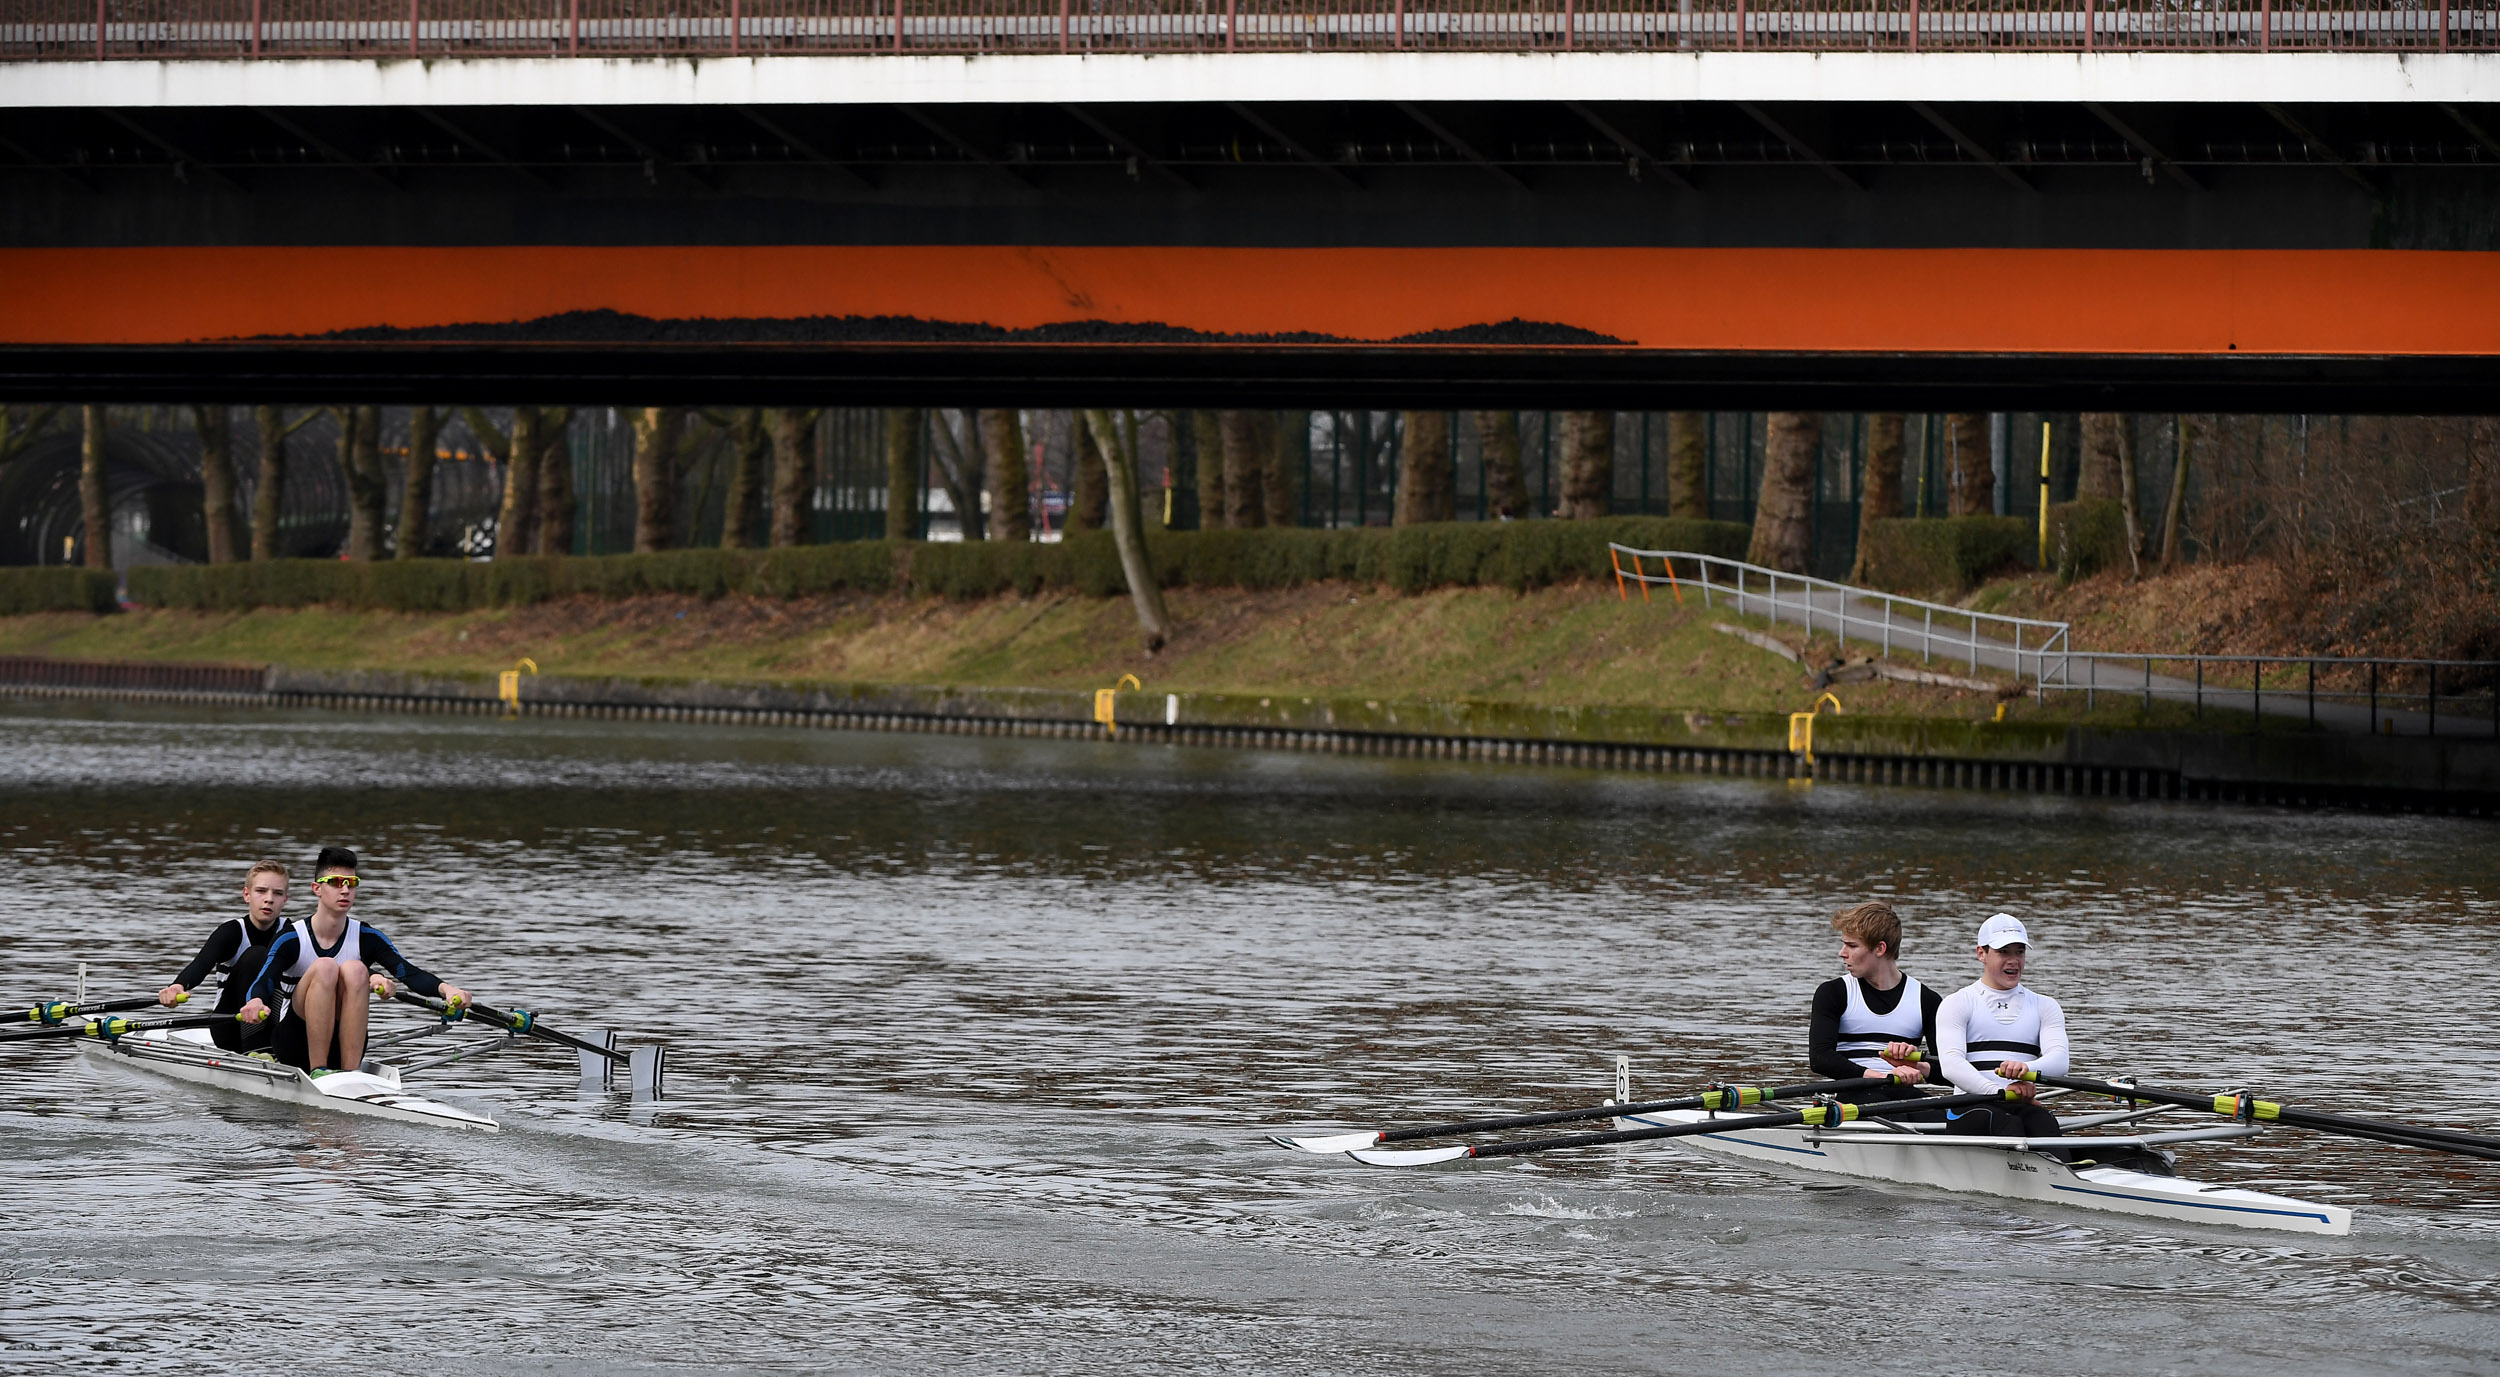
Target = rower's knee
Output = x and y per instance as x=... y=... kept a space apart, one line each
x=353 y=972
x=321 y=974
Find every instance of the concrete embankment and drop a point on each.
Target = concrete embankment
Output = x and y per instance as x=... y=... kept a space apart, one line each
x=2299 y=768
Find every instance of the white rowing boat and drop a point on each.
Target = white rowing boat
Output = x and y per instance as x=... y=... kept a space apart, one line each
x=372 y=1091
x=2109 y=1173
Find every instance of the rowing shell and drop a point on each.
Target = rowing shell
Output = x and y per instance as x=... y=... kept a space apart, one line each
x=2012 y=1167
x=187 y=1054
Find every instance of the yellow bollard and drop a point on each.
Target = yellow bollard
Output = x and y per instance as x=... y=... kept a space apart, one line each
x=1801 y=727
x=508 y=685
x=1104 y=698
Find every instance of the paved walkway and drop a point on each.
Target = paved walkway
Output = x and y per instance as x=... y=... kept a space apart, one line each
x=1948 y=640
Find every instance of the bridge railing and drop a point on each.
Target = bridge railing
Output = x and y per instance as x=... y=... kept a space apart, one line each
x=71 y=30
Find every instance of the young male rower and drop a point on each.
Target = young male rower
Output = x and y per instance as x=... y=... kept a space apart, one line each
x=1994 y=1029
x=322 y=971
x=236 y=950
x=1871 y=1020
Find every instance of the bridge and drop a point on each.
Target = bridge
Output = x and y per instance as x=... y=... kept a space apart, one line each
x=1896 y=205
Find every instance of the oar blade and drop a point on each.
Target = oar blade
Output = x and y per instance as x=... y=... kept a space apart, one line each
x=1408 y=1157
x=1331 y=1144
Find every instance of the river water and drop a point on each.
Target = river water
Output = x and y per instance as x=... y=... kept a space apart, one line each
x=975 y=1041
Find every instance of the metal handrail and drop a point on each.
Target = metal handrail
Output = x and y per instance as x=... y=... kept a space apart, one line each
x=2419 y=708
x=2047 y=656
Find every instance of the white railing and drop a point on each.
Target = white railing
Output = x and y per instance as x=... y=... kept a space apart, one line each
x=2030 y=648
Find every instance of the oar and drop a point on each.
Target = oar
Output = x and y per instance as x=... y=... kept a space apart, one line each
x=61 y=1011
x=1817 y=1114
x=2249 y=1107
x=517 y=1021
x=111 y=1027
x=1721 y=1097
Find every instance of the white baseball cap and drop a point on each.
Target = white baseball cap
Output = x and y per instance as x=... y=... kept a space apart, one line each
x=2003 y=930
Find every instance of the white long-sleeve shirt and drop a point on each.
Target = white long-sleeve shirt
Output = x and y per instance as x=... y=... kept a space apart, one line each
x=1978 y=1027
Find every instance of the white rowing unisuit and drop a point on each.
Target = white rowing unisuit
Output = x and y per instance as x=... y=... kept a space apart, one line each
x=1978 y=1027
x=1864 y=1033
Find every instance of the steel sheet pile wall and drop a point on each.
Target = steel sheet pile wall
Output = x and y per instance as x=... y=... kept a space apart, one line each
x=92 y=29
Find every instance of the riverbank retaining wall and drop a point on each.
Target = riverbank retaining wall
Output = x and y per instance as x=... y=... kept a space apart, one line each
x=2290 y=767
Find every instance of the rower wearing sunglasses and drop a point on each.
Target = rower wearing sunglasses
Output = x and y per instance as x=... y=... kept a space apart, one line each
x=322 y=971
x=236 y=950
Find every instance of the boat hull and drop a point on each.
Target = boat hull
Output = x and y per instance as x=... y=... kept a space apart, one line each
x=188 y=1055
x=2009 y=1172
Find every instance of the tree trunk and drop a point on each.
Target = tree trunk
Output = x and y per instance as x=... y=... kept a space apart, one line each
x=1426 y=490
x=215 y=425
x=656 y=430
x=902 y=473
x=416 y=489
x=1971 y=473
x=1089 y=486
x=2127 y=496
x=269 y=498
x=517 y=517
x=793 y=431
x=1505 y=487
x=754 y=447
x=1588 y=464
x=1281 y=482
x=1206 y=428
x=2177 y=505
x=360 y=455
x=1128 y=522
x=958 y=454
x=1181 y=475
x=555 y=481
x=2104 y=438
x=1688 y=464
x=2482 y=475
x=1245 y=506
x=1879 y=494
x=1010 y=476
x=1783 y=525
x=95 y=509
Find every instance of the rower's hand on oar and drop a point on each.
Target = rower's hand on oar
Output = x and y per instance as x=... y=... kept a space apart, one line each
x=381 y=986
x=171 y=995
x=2014 y=1072
x=1905 y=1067
x=254 y=1012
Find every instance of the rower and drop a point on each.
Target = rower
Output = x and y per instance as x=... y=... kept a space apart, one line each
x=1872 y=1020
x=1995 y=1028
x=238 y=945
x=321 y=972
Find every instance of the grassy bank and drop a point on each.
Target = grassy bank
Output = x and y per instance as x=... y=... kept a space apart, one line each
x=1567 y=646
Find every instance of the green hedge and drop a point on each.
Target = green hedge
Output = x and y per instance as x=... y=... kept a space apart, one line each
x=1945 y=554
x=2087 y=537
x=1515 y=555
x=62 y=588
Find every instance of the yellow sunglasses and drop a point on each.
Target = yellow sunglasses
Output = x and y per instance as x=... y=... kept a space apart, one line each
x=342 y=881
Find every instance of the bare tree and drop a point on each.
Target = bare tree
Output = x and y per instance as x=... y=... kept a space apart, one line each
x=21 y=426
x=1688 y=464
x=94 y=502
x=1088 y=479
x=2177 y=506
x=1879 y=493
x=794 y=475
x=227 y=539
x=2482 y=482
x=902 y=473
x=1245 y=463
x=1505 y=486
x=360 y=455
x=1010 y=476
x=2104 y=436
x=556 y=504
x=1118 y=447
x=656 y=433
x=269 y=498
x=1280 y=482
x=1588 y=464
x=751 y=450
x=516 y=518
x=1783 y=524
x=416 y=489
x=2127 y=496
x=1206 y=429
x=1426 y=486
x=958 y=453
x=1969 y=466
